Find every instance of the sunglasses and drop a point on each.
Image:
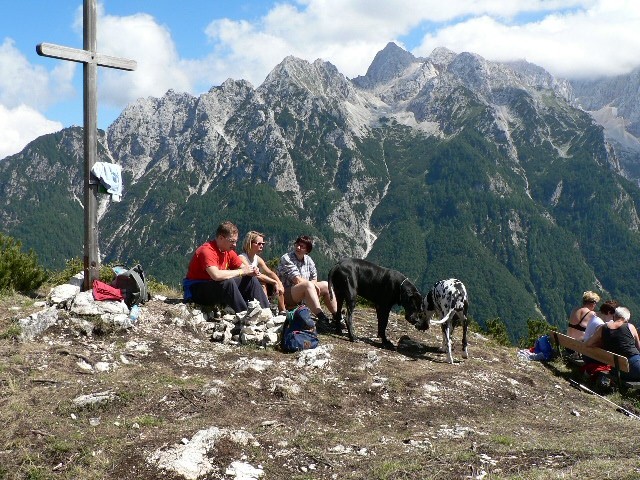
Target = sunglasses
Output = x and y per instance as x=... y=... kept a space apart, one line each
x=259 y=243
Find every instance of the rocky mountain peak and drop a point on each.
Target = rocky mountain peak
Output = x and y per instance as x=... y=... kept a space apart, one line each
x=317 y=79
x=442 y=57
x=388 y=64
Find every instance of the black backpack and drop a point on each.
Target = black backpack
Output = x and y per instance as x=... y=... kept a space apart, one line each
x=133 y=285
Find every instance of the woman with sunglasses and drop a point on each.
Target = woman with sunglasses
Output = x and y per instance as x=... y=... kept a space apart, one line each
x=252 y=247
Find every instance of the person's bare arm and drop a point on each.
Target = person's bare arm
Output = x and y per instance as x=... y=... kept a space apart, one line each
x=634 y=332
x=218 y=274
x=271 y=275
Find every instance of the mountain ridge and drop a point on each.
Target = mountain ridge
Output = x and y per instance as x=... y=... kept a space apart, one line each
x=443 y=166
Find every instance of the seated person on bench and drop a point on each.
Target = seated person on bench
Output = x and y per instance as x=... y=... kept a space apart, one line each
x=593 y=367
x=607 y=310
x=580 y=316
x=621 y=337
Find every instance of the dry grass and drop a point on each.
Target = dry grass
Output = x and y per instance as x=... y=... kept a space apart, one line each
x=371 y=413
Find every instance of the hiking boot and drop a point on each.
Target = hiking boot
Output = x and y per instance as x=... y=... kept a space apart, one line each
x=323 y=318
x=339 y=320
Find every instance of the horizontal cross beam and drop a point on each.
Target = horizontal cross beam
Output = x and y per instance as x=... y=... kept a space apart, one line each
x=84 y=56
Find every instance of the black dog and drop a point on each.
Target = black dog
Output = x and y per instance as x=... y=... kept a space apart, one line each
x=382 y=286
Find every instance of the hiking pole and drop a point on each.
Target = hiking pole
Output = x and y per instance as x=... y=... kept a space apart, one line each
x=618 y=407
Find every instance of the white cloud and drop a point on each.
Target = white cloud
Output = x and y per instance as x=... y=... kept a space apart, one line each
x=349 y=33
x=20 y=125
x=24 y=84
x=600 y=40
x=139 y=37
x=26 y=89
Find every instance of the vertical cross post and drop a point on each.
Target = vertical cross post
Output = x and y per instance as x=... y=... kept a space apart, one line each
x=90 y=60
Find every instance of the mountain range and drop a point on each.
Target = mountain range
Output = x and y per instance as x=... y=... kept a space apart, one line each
x=522 y=185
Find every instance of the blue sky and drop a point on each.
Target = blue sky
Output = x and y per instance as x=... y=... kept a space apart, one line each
x=192 y=45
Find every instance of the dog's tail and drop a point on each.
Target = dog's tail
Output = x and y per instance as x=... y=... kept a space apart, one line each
x=329 y=280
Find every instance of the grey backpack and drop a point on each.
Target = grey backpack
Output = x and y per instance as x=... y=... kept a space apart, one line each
x=133 y=285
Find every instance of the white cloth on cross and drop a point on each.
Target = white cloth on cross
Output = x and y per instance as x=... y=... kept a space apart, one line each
x=110 y=176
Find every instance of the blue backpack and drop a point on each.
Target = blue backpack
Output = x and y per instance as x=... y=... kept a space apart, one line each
x=543 y=346
x=298 y=331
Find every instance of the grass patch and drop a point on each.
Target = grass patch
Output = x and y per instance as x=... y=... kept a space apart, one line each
x=11 y=332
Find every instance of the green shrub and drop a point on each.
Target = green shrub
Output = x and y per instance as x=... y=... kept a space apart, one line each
x=497 y=330
x=536 y=327
x=71 y=267
x=75 y=265
x=19 y=271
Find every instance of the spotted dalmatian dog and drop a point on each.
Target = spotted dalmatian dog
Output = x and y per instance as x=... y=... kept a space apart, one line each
x=449 y=301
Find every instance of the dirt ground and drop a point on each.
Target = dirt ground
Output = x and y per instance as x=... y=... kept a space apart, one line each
x=358 y=412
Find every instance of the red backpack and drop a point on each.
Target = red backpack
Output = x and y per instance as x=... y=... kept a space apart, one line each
x=104 y=291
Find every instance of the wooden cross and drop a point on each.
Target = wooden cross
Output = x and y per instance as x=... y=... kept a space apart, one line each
x=90 y=60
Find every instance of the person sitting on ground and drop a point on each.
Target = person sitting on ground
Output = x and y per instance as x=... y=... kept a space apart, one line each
x=217 y=275
x=580 y=316
x=606 y=310
x=252 y=247
x=621 y=337
x=300 y=279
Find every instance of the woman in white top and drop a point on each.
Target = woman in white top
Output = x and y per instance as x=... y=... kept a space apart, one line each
x=607 y=310
x=252 y=246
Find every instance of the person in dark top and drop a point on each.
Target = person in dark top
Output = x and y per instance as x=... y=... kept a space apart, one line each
x=621 y=337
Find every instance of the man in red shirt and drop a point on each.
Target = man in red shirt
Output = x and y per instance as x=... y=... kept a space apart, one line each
x=216 y=274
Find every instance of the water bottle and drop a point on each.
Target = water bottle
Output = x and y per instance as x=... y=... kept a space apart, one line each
x=134 y=313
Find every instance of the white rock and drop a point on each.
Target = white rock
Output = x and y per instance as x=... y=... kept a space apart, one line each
x=84 y=365
x=249 y=330
x=77 y=280
x=183 y=310
x=265 y=315
x=63 y=293
x=120 y=320
x=316 y=357
x=246 y=339
x=36 y=323
x=270 y=338
x=93 y=398
x=83 y=304
x=102 y=367
x=191 y=459
x=111 y=306
x=244 y=471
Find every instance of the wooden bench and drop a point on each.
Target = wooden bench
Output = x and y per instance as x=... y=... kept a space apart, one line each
x=618 y=362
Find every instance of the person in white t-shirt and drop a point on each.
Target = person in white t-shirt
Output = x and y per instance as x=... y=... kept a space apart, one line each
x=604 y=315
x=252 y=247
